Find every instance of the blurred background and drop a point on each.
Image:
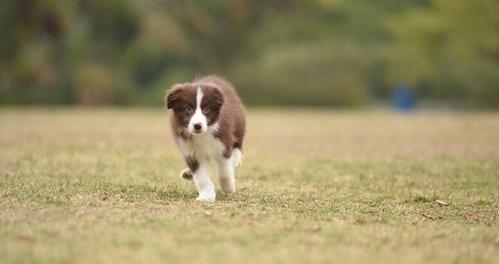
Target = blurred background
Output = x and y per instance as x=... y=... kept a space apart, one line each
x=339 y=53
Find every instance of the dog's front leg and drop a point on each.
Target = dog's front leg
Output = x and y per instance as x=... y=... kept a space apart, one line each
x=203 y=183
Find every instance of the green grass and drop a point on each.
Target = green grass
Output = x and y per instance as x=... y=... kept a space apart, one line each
x=102 y=186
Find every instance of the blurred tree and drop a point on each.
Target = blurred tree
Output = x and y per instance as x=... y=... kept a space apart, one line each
x=32 y=36
x=314 y=52
x=449 y=50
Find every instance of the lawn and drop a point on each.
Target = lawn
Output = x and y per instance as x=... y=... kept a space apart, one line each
x=316 y=186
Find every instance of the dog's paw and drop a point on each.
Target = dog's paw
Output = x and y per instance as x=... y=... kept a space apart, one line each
x=206 y=196
x=205 y=199
x=186 y=174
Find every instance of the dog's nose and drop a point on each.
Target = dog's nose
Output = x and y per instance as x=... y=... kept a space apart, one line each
x=197 y=126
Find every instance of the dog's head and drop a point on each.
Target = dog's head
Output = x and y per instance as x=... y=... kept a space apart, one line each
x=196 y=106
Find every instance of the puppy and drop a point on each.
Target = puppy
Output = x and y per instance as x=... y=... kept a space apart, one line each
x=208 y=122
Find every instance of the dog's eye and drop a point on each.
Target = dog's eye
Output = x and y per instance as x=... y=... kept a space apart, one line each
x=188 y=109
x=206 y=110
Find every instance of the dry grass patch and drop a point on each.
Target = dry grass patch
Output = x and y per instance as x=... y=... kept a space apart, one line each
x=101 y=186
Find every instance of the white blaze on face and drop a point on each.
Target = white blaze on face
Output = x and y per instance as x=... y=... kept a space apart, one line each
x=198 y=118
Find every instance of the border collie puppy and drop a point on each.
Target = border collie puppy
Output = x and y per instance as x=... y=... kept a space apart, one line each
x=208 y=122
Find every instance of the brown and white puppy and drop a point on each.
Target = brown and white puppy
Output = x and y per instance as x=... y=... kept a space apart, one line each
x=208 y=122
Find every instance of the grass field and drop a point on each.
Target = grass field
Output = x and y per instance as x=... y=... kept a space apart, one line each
x=102 y=186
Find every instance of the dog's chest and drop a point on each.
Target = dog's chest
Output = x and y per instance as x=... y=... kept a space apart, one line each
x=203 y=146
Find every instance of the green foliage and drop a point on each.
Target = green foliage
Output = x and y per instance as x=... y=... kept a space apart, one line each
x=316 y=52
x=306 y=73
x=454 y=50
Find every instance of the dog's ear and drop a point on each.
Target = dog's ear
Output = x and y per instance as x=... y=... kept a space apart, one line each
x=172 y=95
x=216 y=97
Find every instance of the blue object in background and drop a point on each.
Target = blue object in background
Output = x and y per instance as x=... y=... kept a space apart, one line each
x=403 y=98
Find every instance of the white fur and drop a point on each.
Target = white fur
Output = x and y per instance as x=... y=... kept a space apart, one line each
x=203 y=183
x=183 y=146
x=198 y=117
x=226 y=175
x=204 y=147
x=237 y=157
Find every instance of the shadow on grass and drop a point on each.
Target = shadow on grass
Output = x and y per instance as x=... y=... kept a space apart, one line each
x=64 y=193
x=150 y=192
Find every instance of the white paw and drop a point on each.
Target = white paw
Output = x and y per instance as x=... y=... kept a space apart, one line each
x=207 y=196
x=186 y=174
x=205 y=199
